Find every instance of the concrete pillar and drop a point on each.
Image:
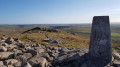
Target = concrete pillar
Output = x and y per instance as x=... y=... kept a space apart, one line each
x=100 y=40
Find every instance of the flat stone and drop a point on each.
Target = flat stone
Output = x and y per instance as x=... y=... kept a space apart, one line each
x=38 y=62
x=66 y=58
x=11 y=47
x=11 y=61
x=33 y=52
x=3 y=66
x=40 y=50
x=17 y=64
x=17 y=51
x=3 y=38
x=1 y=63
x=23 y=56
x=116 y=62
x=10 y=66
x=25 y=64
x=50 y=58
x=116 y=55
x=6 y=55
x=45 y=55
x=3 y=49
x=112 y=58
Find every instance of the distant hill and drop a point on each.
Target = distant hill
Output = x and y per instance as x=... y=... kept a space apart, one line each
x=40 y=29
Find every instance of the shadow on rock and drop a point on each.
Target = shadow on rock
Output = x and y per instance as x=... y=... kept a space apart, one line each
x=81 y=60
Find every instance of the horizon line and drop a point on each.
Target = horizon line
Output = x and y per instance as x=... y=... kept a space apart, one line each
x=58 y=24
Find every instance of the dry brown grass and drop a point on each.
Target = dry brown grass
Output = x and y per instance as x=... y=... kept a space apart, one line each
x=68 y=40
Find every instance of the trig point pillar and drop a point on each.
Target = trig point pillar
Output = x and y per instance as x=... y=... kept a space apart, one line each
x=100 y=40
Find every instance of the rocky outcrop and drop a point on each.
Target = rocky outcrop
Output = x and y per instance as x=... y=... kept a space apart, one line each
x=40 y=29
x=16 y=53
x=20 y=54
x=52 y=41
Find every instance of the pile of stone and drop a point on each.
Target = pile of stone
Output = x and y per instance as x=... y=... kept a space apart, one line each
x=14 y=53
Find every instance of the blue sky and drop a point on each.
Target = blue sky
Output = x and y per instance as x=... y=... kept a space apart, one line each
x=57 y=11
